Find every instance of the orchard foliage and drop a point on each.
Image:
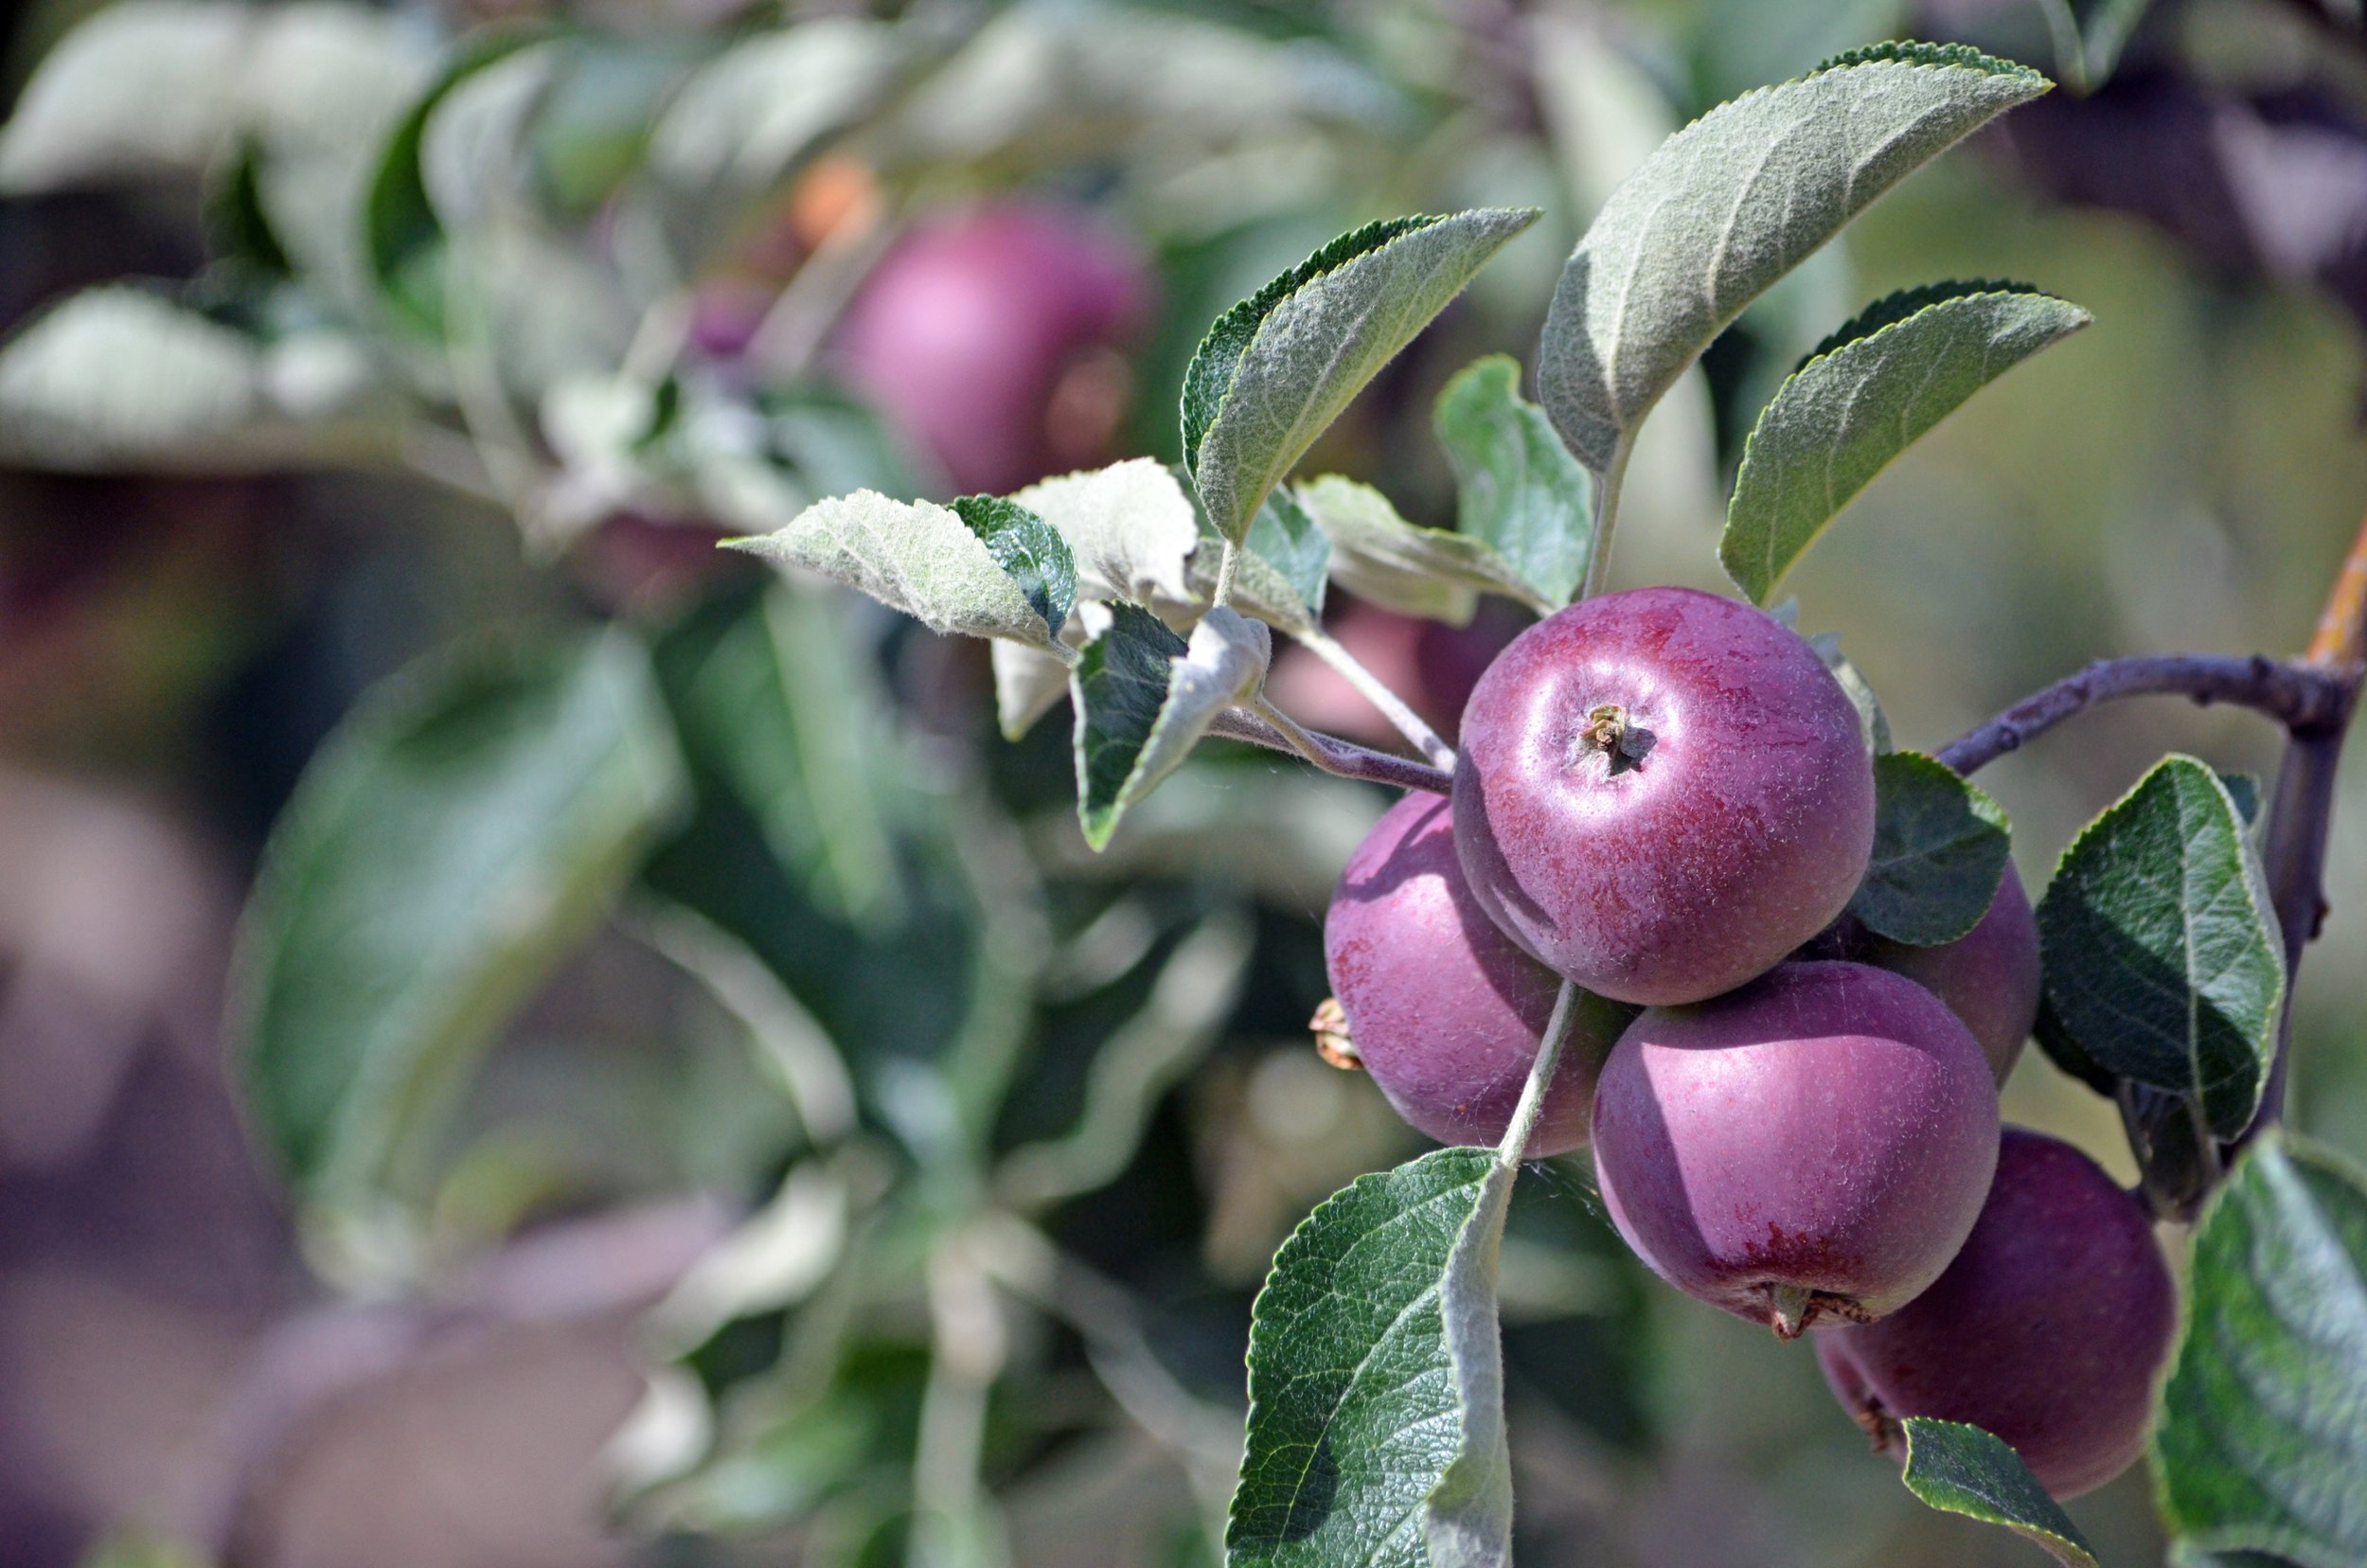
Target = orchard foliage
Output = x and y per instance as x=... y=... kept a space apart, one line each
x=1663 y=800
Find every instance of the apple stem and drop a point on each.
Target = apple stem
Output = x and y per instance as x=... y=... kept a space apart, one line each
x=1531 y=1106
x=1788 y=1309
x=1344 y=759
x=1377 y=691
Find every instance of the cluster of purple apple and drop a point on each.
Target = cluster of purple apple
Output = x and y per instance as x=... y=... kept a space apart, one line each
x=1666 y=799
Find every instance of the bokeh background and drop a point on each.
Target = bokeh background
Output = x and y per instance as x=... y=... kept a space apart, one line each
x=880 y=1177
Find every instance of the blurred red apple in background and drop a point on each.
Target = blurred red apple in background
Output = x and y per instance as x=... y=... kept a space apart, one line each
x=991 y=337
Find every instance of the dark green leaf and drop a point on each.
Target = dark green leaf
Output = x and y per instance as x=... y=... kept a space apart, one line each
x=1962 y=1469
x=2244 y=790
x=1732 y=203
x=2262 y=1446
x=1144 y=697
x=404 y=238
x=2065 y=1052
x=1867 y=393
x=2163 y=961
x=1279 y=366
x=1029 y=550
x=1376 y=1422
x=1517 y=487
x=463 y=827
x=1940 y=845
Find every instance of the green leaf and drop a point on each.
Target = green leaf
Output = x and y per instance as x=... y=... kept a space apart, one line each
x=2067 y=1053
x=1861 y=693
x=2163 y=961
x=1131 y=527
x=464 y=826
x=1144 y=698
x=1030 y=551
x=1001 y=578
x=1376 y=1430
x=1517 y=487
x=1286 y=538
x=2262 y=1445
x=1862 y=399
x=141 y=89
x=1260 y=588
x=1279 y=366
x=404 y=238
x=745 y=118
x=1962 y=1469
x=1940 y=846
x=1732 y=202
x=2090 y=35
x=119 y=377
x=1381 y=558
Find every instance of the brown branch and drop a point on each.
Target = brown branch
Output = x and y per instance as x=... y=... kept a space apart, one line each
x=2294 y=856
x=2297 y=695
x=1335 y=755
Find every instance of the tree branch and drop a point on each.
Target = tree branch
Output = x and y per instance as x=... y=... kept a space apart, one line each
x=1335 y=755
x=2299 y=695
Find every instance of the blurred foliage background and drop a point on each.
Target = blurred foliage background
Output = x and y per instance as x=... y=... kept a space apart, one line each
x=841 y=1164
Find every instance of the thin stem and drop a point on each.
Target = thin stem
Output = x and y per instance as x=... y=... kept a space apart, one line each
x=1532 y=1102
x=1228 y=563
x=1375 y=691
x=1344 y=759
x=2295 y=695
x=1607 y=492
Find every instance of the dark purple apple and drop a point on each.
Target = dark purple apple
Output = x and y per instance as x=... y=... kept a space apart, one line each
x=1816 y=1145
x=989 y=336
x=2048 y=1329
x=1443 y=1009
x=1661 y=793
x=1989 y=977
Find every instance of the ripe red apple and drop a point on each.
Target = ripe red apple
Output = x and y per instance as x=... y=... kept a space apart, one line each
x=1989 y=977
x=1816 y=1145
x=1661 y=793
x=2048 y=1329
x=1443 y=1009
x=989 y=336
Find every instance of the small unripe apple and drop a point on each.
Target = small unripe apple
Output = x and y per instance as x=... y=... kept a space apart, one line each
x=1441 y=1008
x=2048 y=1329
x=1661 y=793
x=990 y=337
x=1989 y=977
x=1815 y=1146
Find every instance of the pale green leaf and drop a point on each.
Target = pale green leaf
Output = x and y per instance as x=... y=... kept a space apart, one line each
x=459 y=834
x=1375 y=1379
x=119 y=377
x=1940 y=846
x=1278 y=367
x=1130 y=526
x=1028 y=684
x=1030 y=551
x=1431 y=573
x=745 y=118
x=1144 y=698
x=2090 y=35
x=1893 y=373
x=1287 y=539
x=1962 y=1469
x=2262 y=1445
x=1518 y=489
x=1732 y=203
x=151 y=87
x=2161 y=955
x=1870 y=720
x=922 y=559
